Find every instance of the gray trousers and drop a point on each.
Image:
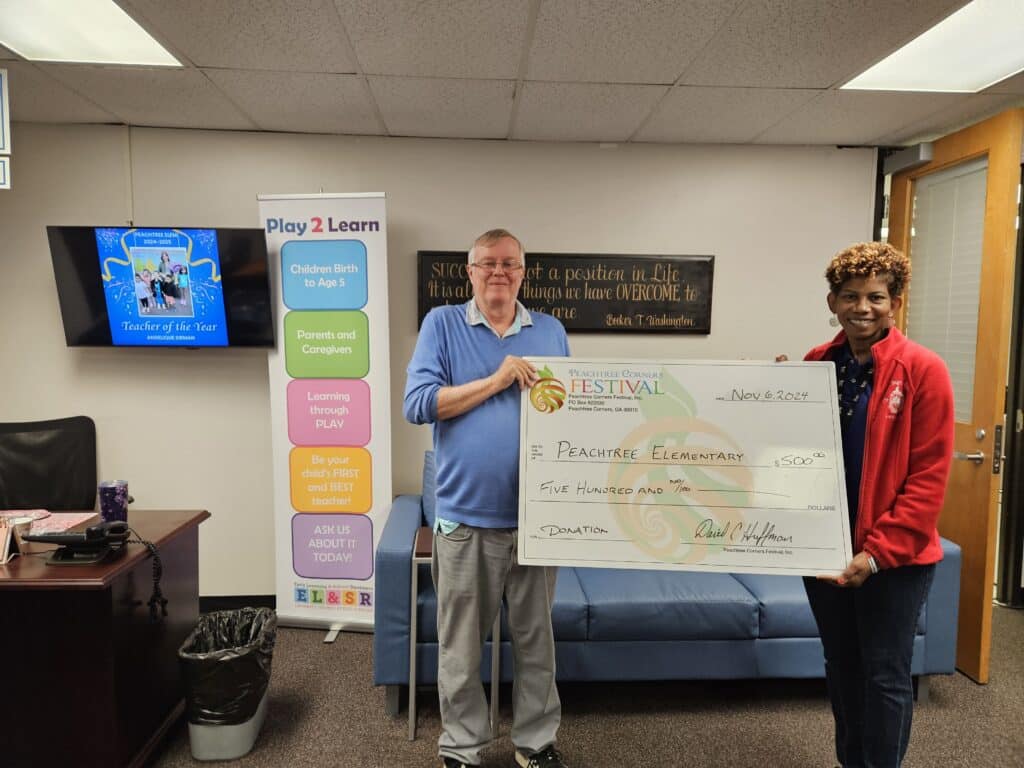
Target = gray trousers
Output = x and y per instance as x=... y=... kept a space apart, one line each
x=472 y=568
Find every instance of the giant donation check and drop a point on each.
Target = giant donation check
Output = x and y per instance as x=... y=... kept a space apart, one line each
x=711 y=466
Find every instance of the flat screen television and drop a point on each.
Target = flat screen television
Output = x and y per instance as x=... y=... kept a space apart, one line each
x=162 y=286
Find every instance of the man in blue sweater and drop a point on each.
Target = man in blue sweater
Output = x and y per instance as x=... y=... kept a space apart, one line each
x=465 y=378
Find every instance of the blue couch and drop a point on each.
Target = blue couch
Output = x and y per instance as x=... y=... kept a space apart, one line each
x=642 y=625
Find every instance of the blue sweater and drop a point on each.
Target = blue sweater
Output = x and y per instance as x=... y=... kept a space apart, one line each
x=477 y=453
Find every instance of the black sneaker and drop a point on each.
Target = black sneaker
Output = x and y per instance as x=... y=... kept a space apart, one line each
x=549 y=757
x=452 y=762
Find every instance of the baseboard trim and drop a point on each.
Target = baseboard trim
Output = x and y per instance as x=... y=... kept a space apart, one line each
x=234 y=602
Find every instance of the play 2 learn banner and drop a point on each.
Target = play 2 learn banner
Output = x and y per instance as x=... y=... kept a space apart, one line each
x=330 y=390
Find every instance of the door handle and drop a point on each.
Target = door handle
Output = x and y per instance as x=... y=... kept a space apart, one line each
x=977 y=457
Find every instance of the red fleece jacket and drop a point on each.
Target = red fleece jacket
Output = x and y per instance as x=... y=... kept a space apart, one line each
x=908 y=448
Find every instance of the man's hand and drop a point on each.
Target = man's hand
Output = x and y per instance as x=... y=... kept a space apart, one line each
x=515 y=369
x=856 y=572
x=457 y=400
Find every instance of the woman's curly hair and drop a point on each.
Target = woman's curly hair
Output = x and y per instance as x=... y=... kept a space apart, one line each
x=869 y=260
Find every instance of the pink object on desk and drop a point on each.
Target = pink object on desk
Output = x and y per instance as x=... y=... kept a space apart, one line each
x=35 y=514
x=59 y=522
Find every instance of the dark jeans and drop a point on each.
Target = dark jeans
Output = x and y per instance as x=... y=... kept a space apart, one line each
x=868 y=636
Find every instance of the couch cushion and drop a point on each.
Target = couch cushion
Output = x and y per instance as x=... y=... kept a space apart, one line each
x=429 y=489
x=667 y=605
x=784 y=609
x=568 y=614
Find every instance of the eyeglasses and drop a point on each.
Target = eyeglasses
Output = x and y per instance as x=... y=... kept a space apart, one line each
x=509 y=267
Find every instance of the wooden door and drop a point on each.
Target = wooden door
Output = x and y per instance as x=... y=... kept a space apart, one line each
x=971 y=508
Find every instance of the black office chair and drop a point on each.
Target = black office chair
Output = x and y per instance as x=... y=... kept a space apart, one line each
x=48 y=464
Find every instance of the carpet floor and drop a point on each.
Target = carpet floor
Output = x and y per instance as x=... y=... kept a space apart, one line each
x=323 y=710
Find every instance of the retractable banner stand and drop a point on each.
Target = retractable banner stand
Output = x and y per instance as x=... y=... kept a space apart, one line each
x=330 y=388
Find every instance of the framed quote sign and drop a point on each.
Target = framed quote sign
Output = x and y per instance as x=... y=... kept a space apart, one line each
x=623 y=293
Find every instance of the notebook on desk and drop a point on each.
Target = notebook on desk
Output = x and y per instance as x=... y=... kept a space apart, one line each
x=44 y=522
x=65 y=522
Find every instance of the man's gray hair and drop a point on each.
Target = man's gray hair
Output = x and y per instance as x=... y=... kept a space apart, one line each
x=491 y=236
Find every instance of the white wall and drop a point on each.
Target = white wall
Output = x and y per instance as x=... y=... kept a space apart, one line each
x=772 y=216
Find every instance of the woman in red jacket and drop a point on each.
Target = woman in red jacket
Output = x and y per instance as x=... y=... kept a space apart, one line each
x=896 y=412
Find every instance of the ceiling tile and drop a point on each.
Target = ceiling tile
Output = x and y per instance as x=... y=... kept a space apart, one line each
x=289 y=35
x=971 y=109
x=855 y=117
x=609 y=41
x=720 y=115
x=810 y=43
x=437 y=38
x=583 y=111
x=1014 y=84
x=301 y=102
x=450 y=68
x=470 y=109
x=38 y=98
x=170 y=98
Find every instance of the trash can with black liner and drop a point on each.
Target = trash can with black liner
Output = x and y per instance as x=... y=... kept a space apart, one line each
x=225 y=666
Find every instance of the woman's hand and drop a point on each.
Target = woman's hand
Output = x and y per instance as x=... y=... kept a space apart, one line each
x=856 y=572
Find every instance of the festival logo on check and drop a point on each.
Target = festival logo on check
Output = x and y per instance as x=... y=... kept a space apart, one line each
x=548 y=394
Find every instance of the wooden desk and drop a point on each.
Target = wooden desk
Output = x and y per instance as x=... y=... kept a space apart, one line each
x=89 y=679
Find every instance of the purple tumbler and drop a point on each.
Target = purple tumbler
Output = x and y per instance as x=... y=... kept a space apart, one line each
x=113 y=500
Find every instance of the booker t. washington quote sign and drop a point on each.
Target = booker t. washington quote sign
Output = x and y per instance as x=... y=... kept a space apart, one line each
x=652 y=294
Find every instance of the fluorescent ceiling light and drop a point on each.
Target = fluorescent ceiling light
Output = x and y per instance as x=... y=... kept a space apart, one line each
x=83 y=31
x=966 y=52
